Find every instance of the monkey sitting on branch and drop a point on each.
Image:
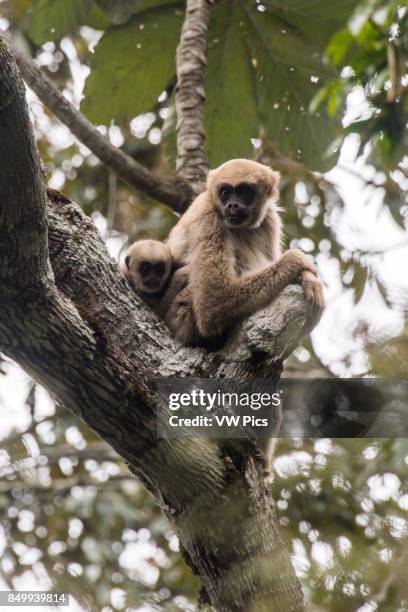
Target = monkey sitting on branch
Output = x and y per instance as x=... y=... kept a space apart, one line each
x=228 y=249
x=230 y=240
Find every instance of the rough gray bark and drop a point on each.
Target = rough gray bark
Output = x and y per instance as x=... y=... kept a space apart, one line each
x=175 y=192
x=83 y=334
x=23 y=246
x=191 y=60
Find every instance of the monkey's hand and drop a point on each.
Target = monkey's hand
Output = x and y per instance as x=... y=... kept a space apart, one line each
x=313 y=290
x=295 y=262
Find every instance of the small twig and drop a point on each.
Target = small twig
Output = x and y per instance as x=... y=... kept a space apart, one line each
x=191 y=60
x=281 y=162
x=393 y=71
x=63 y=484
x=378 y=252
x=17 y=436
x=99 y=451
x=389 y=581
x=389 y=183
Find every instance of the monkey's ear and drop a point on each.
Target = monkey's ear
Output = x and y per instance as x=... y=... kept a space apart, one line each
x=127 y=261
x=210 y=177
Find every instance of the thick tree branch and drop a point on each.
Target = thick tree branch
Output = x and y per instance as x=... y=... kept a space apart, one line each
x=191 y=61
x=23 y=226
x=176 y=192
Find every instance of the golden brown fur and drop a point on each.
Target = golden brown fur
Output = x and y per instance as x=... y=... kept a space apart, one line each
x=177 y=308
x=150 y=284
x=234 y=266
x=235 y=271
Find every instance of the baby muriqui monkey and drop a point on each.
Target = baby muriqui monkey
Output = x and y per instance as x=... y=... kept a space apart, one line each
x=148 y=266
x=163 y=285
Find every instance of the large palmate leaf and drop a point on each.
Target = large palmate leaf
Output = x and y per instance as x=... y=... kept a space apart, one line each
x=231 y=114
x=264 y=68
x=288 y=73
x=132 y=65
x=52 y=19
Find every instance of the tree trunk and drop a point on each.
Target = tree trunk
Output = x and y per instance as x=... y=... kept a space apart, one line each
x=190 y=93
x=70 y=319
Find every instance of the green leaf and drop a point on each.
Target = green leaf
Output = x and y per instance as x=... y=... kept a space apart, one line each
x=132 y=65
x=396 y=202
x=231 y=117
x=320 y=97
x=145 y=5
x=339 y=45
x=264 y=68
x=332 y=93
x=118 y=11
x=288 y=73
x=97 y=19
x=314 y=19
x=53 y=19
x=19 y=9
x=361 y=14
x=359 y=281
x=358 y=127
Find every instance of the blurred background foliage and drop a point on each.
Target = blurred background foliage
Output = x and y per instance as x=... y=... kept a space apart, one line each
x=318 y=90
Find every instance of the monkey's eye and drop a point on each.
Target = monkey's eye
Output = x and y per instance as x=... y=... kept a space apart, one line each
x=246 y=193
x=145 y=267
x=127 y=261
x=225 y=192
x=160 y=268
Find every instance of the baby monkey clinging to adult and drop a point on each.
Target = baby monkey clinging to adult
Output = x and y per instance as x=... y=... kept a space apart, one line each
x=148 y=267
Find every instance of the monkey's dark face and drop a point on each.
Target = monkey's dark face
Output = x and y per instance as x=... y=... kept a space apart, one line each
x=152 y=275
x=237 y=202
x=242 y=190
x=148 y=265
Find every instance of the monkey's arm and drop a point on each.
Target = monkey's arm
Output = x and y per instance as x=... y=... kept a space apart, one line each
x=177 y=309
x=313 y=290
x=221 y=298
x=179 y=281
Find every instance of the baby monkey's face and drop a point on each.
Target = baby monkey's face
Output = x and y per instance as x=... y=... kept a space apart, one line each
x=152 y=275
x=148 y=265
